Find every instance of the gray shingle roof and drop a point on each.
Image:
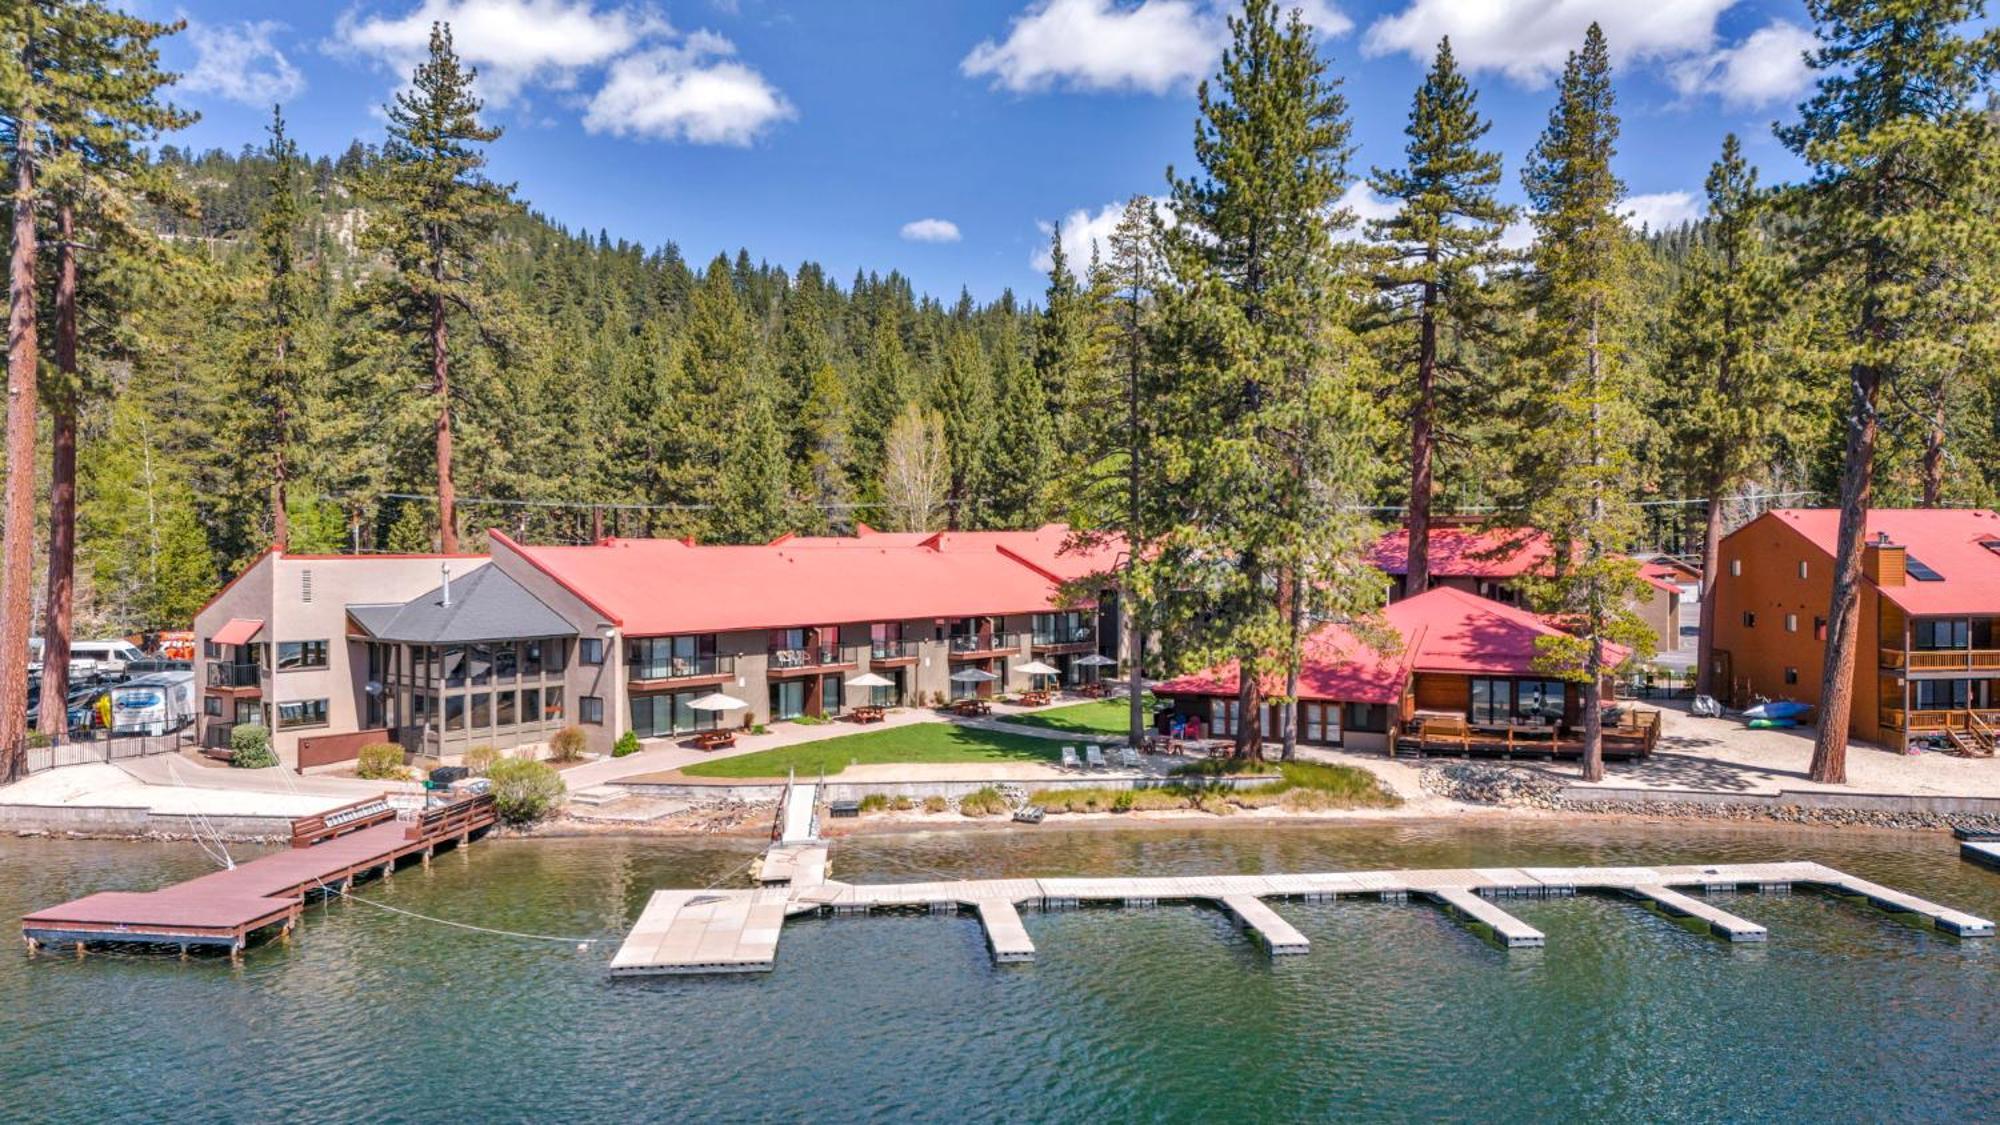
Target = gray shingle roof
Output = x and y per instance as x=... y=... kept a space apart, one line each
x=486 y=605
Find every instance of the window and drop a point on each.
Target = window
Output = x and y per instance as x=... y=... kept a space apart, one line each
x=421 y=706
x=479 y=662
x=1791 y=675
x=553 y=653
x=302 y=713
x=552 y=709
x=1320 y=722
x=1919 y=571
x=1819 y=628
x=1943 y=695
x=531 y=705
x=294 y=655
x=506 y=661
x=592 y=651
x=788 y=699
x=1931 y=636
x=482 y=710
x=1495 y=702
x=1803 y=569
x=1367 y=716
x=212 y=705
x=503 y=709
x=1749 y=620
x=454 y=712
x=1735 y=568
x=1791 y=623
x=209 y=651
x=531 y=658
x=452 y=665
x=1222 y=714
x=590 y=708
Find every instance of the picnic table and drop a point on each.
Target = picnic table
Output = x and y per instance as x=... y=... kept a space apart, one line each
x=971 y=707
x=868 y=714
x=714 y=739
x=1034 y=698
x=1094 y=689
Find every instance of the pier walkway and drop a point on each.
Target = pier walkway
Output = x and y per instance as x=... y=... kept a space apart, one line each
x=687 y=932
x=226 y=907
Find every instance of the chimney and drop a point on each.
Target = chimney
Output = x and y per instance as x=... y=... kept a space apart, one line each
x=446 y=568
x=1883 y=562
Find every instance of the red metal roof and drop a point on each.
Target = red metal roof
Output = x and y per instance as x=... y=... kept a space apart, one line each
x=237 y=631
x=1464 y=552
x=1043 y=548
x=1949 y=541
x=1444 y=631
x=660 y=586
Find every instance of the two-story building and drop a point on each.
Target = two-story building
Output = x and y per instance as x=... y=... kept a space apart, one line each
x=1928 y=663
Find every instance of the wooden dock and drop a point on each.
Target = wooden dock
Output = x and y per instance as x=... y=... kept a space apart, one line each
x=226 y=907
x=694 y=932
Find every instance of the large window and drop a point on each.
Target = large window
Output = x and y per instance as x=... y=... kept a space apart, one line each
x=479 y=662
x=454 y=712
x=531 y=658
x=1319 y=722
x=482 y=710
x=788 y=699
x=1943 y=695
x=1943 y=634
x=451 y=665
x=294 y=655
x=1222 y=715
x=590 y=708
x=664 y=714
x=552 y=705
x=659 y=658
x=1497 y=702
x=506 y=661
x=503 y=709
x=1062 y=628
x=592 y=650
x=302 y=713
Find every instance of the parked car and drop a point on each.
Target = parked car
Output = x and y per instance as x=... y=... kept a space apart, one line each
x=151 y=665
x=108 y=657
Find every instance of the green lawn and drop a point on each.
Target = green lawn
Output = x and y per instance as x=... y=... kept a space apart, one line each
x=1100 y=716
x=918 y=742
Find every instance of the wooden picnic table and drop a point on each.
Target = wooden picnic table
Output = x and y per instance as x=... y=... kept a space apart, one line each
x=972 y=707
x=1094 y=689
x=1034 y=698
x=714 y=739
x=868 y=714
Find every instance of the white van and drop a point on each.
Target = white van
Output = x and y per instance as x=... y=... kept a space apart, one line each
x=157 y=704
x=107 y=658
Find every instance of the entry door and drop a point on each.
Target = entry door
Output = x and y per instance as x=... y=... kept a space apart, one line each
x=788 y=699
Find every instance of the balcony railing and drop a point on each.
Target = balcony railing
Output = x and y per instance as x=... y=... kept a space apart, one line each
x=684 y=667
x=233 y=675
x=975 y=643
x=1065 y=635
x=814 y=656
x=1893 y=718
x=1953 y=660
x=892 y=650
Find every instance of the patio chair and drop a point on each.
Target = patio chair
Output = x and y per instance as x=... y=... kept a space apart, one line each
x=1094 y=757
x=1069 y=761
x=1129 y=757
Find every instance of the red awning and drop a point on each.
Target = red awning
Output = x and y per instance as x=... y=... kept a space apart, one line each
x=238 y=631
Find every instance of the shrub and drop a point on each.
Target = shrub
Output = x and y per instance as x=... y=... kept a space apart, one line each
x=985 y=801
x=901 y=803
x=479 y=759
x=566 y=745
x=628 y=743
x=875 y=802
x=524 y=791
x=811 y=720
x=936 y=804
x=380 y=761
x=37 y=740
x=757 y=728
x=250 y=747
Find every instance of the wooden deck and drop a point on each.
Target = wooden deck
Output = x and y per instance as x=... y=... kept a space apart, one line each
x=226 y=907
x=734 y=931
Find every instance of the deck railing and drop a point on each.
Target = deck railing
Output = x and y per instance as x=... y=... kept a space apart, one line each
x=814 y=656
x=968 y=643
x=233 y=675
x=1935 y=719
x=683 y=667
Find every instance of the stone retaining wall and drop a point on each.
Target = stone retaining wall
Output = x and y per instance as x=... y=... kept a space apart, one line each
x=768 y=792
x=127 y=822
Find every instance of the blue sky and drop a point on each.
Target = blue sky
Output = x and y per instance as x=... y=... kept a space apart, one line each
x=941 y=137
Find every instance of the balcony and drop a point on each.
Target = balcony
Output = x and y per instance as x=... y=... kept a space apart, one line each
x=1944 y=660
x=683 y=668
x=972 y=646
x=1079 y=638
x=1919 y=722
x=812 y=658
x=234 y=676
x=892 y=652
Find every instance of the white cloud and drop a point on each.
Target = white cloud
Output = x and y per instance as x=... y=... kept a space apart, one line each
x=1084 y=233
x=1768 y=66
x=930 y=230
x=514 y=43
x=693 y=92
x=239 y=62
x=1153 y=46
x=1662 y=210
x=1528 y=40
x=1365 y=204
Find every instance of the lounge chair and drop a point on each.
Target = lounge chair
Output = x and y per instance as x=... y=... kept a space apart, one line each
x=1093 y=757
x=1069 y=761
x=1129 y=758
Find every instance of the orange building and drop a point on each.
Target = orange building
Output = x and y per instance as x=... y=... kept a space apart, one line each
x=1928 y=657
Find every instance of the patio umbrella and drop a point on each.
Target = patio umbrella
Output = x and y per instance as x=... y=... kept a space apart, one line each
x=1037 y=668
x=1096 y=660
x=973 y=676
x=871 y=680
x=716 y=701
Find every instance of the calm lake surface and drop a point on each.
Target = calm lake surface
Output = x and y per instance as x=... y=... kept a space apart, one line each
x=1165 y=1014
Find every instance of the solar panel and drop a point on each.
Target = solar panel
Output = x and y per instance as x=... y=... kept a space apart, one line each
x=1919 y=571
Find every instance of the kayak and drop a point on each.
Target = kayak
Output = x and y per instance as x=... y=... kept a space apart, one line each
x=1773 y=724
x=1778 y=709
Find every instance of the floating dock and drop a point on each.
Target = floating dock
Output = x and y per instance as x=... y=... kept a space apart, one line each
x=226 y=907
x=695 y=932
x=1983 y=852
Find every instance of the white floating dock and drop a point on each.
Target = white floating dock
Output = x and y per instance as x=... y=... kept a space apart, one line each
x=737 y=930
x=1983 y=852
x=1511 y=931
x=1720 y=922
x=1277 y=934
x=1004 y=932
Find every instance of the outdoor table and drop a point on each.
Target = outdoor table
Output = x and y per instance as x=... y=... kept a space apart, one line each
x=868 y=714
x=714 y=739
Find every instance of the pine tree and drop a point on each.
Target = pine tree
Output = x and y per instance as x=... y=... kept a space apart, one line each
x=437 y=210
x=1579 y=465
x=274 y=377
x=1437 y=249
x=754 y=476
x=823 y=422
x=1021 y=459
x=1722 y=359
x=1254 y=445
x=146 y=552
x=963 y=396
x=1066 y=354
x=1896 y=144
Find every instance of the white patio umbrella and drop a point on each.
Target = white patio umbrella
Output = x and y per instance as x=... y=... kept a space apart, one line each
x=1037 y=669
x=716 y=701
x=973 y=676
x=871 y=680
x=1095 y=660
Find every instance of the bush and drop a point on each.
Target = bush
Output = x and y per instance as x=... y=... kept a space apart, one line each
x=901 y=803
x=936 y=804
x=37 y=740
x=380 y=761
x=250 y=748
x=524 y=791
x=874 y=803
x=757 y=728
x=628 y=743
x=812 y=720
x=566 y=745
x=479 y=759
x=982 y=802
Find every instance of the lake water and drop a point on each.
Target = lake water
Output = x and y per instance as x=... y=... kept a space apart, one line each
x=1164 y=1014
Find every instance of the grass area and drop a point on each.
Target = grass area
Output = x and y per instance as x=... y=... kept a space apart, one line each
x=1099 y=716
x=917 y=742
x=1301 y=786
